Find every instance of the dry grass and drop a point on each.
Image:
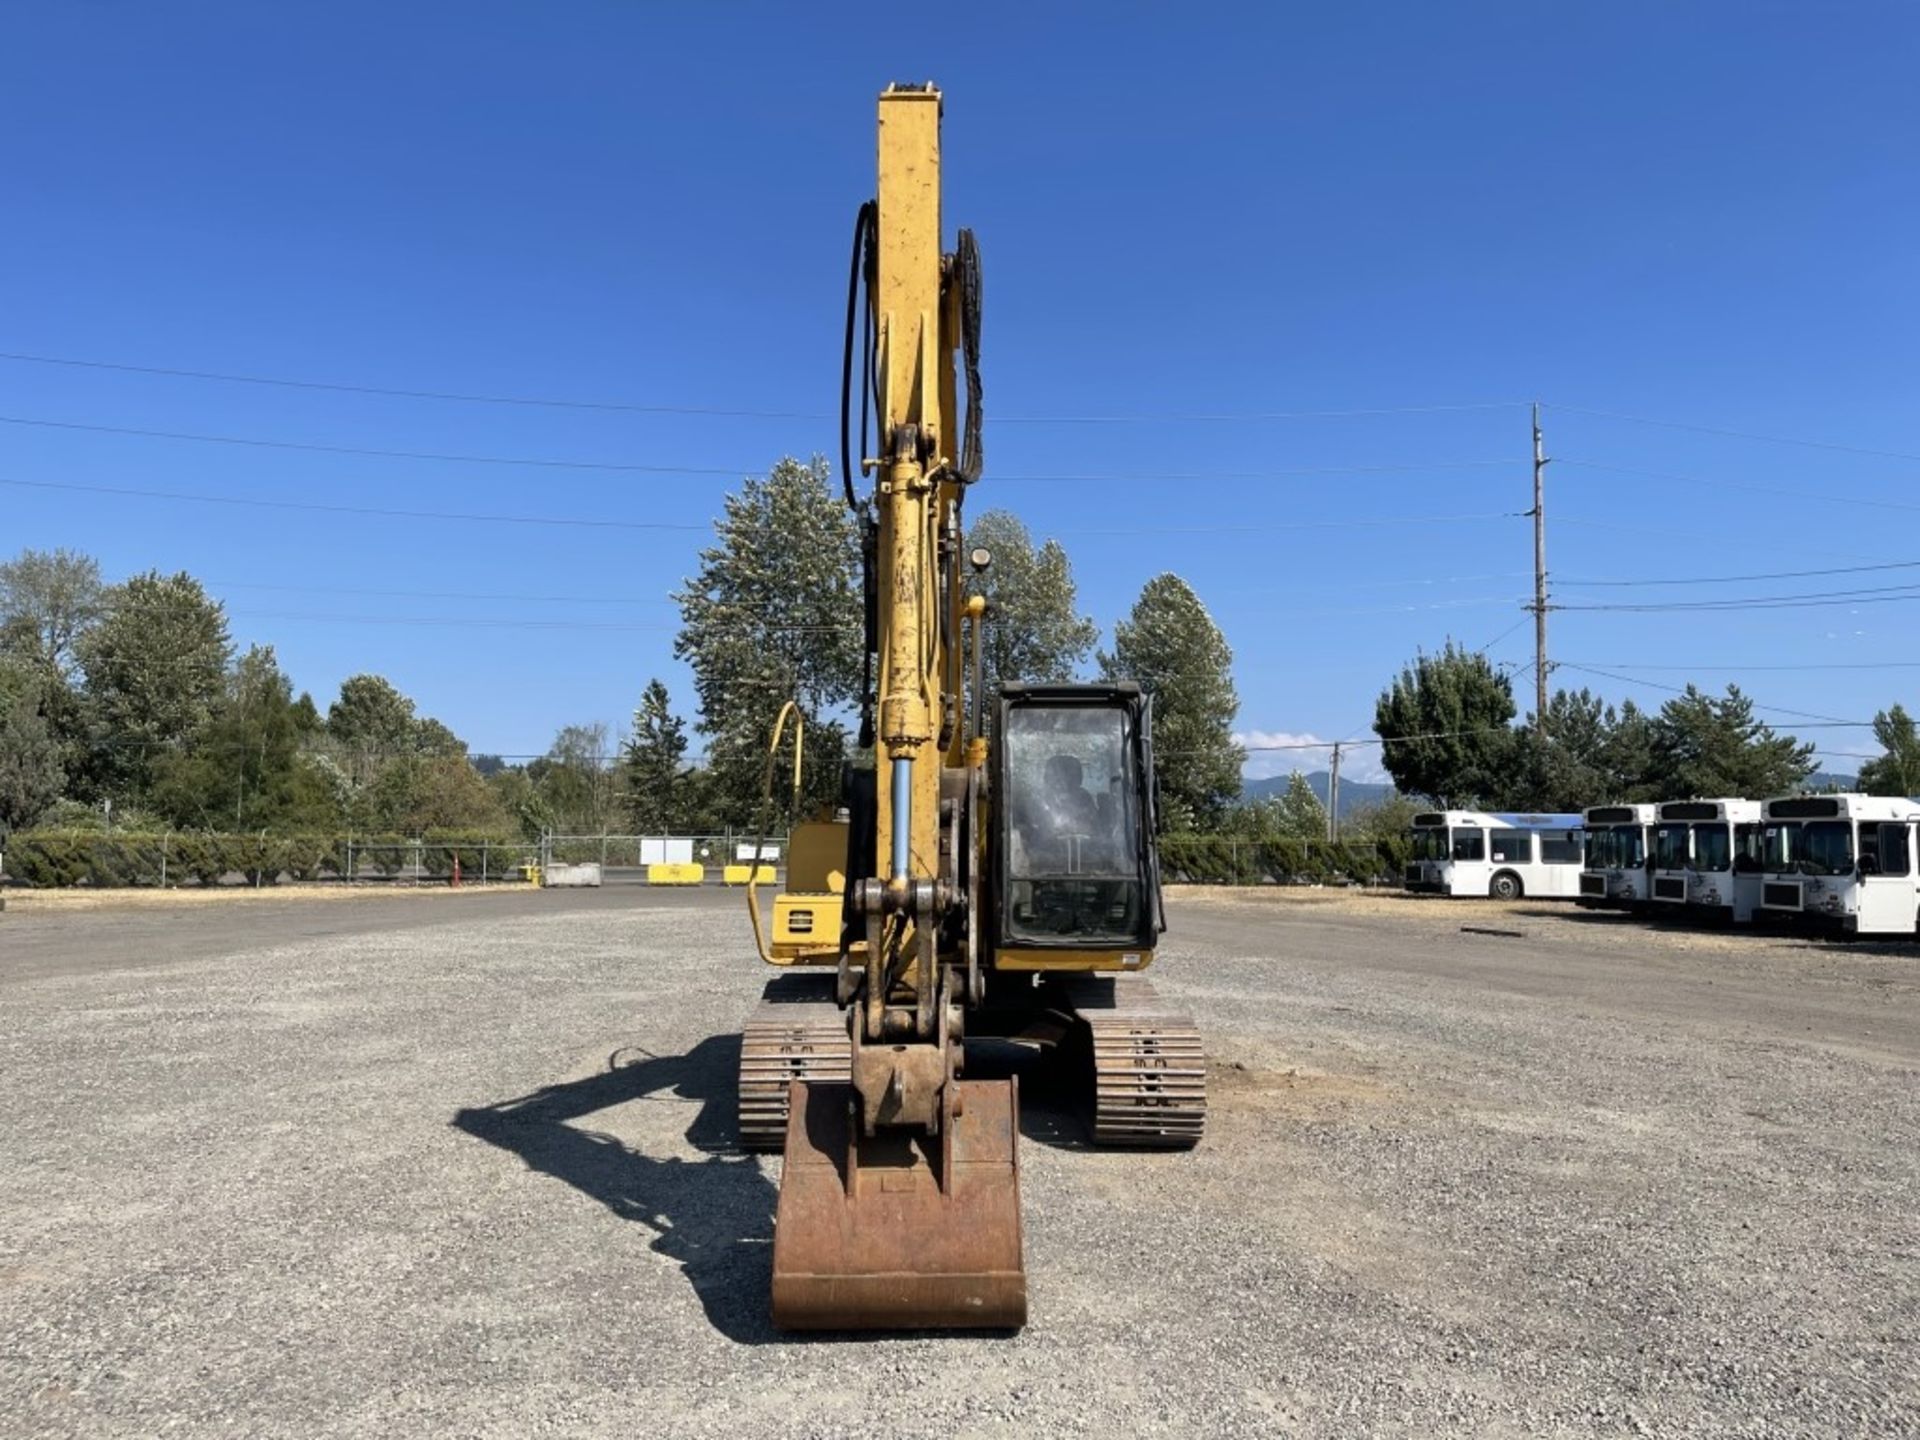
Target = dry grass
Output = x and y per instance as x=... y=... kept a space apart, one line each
x=66 y=901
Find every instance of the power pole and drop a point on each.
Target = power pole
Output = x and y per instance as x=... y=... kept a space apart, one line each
x=1539 y=606
x=1333 y=796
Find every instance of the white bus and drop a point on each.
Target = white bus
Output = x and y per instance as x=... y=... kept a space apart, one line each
x=1475 y=852
x=1706 y=859
x=1616 y=871
x=1844 y=862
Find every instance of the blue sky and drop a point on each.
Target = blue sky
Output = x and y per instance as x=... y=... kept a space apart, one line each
x=1701 y=214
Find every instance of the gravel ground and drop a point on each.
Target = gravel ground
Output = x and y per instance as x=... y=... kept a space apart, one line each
x=465 y=1170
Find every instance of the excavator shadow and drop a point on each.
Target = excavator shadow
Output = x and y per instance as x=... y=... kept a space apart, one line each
x=713 y=1216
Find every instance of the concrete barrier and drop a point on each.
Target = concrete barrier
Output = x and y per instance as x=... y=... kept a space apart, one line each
x=673 y=874
x=561 y=877
x=740 y=874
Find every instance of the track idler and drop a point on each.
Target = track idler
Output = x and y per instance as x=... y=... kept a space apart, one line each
x=904 y=1229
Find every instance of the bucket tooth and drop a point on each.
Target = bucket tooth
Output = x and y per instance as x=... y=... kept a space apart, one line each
x=903 y=1230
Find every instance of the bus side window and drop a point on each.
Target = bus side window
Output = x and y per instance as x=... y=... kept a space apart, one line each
x=1469 y=843
x=1560 y=847
x=1896 y=849
x=1513 y=847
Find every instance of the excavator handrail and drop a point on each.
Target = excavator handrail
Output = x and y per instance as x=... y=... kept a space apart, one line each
x=791 y=708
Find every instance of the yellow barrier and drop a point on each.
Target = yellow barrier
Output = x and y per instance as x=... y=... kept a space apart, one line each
x=676 y=874
x=741 y=874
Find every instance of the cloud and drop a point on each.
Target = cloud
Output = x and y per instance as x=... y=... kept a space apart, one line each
x=1305 y=752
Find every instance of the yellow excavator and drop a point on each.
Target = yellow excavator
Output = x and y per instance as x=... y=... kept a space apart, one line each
x=965 y=889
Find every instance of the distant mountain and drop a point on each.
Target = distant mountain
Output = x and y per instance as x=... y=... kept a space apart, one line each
x=1353 y=793
x=1826 y=781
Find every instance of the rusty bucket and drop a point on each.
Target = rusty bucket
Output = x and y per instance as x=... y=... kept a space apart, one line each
x=902 y=1231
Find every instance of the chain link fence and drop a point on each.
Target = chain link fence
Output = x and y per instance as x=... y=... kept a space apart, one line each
x=181 y=858
x=97 y=859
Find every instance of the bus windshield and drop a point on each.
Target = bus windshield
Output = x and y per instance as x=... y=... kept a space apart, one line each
x=1781 y=846
x=1615 y=847
x=1429 y=844
x=1670 y=850
x=1826 y=848
x=1712 y=848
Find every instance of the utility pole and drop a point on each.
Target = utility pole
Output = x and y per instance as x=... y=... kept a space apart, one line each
x=1333 y=796
x=1539 y=606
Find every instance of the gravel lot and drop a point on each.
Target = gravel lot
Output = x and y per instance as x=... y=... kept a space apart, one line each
x=448 y=1169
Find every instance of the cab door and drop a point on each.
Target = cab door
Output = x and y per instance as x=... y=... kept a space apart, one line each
x=1889 y=892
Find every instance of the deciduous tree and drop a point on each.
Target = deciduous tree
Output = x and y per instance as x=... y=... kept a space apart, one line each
x=1445 y=723
x=155 y=666
x=1897 y=771
x=774 y=614
x=1033 y=630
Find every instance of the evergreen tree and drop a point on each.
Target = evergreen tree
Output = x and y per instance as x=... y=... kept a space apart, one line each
x=31 y=772
x=654 y=765
x=1171 y=646
x=155 y=668
x=774 y=614
x=1445 y=723
x=243 y=768
x=1033 y=631
x=1706 y=745
x=1897 y=772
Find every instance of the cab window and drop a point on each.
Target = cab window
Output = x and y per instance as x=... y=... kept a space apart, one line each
x=1469 y=842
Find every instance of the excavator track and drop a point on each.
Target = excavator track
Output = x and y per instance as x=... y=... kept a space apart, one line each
x=1149 y=1066
x=796 y=1033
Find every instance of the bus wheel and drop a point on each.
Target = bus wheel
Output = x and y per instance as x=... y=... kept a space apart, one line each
x=1506 y=886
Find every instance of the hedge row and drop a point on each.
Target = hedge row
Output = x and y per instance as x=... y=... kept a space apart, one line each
x=63 y=858
x=1219 y=860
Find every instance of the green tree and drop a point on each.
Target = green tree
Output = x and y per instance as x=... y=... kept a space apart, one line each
x=577 y=781
x=1298 y=811
x=31 y=772
x=1169 y=643
x=244 y=768
x=155 y=667
x=1896 y=772
x=48 y=599
x=1592 y=754
x=1388 y=818
x=371 y=716
x=772 y=615
x=1445 y=726
x=1707 y=745
x=654 y=768
x=1033 y=631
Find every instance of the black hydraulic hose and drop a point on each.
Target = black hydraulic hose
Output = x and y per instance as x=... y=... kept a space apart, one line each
x=862 y=238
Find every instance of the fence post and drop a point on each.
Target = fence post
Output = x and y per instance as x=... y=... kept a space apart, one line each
x=603 y=855
x=348 y=877
x=163 y=857
x=486 y=848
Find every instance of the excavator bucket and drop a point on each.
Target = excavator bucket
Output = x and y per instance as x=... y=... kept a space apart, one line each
x=902 y=1231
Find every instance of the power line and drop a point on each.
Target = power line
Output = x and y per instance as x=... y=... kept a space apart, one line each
x=629 y=407
x=536 y=462
x=383 y=512
x=1877 y=595
x=1735 y=434
x=544 y=462
x=1801 y=495
x=1805 y=715
x=1759 y=575
x=464 y=397
x=591 y=522
x=1822 y=665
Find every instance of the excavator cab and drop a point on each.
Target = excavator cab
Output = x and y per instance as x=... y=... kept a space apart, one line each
x=1076 y=868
